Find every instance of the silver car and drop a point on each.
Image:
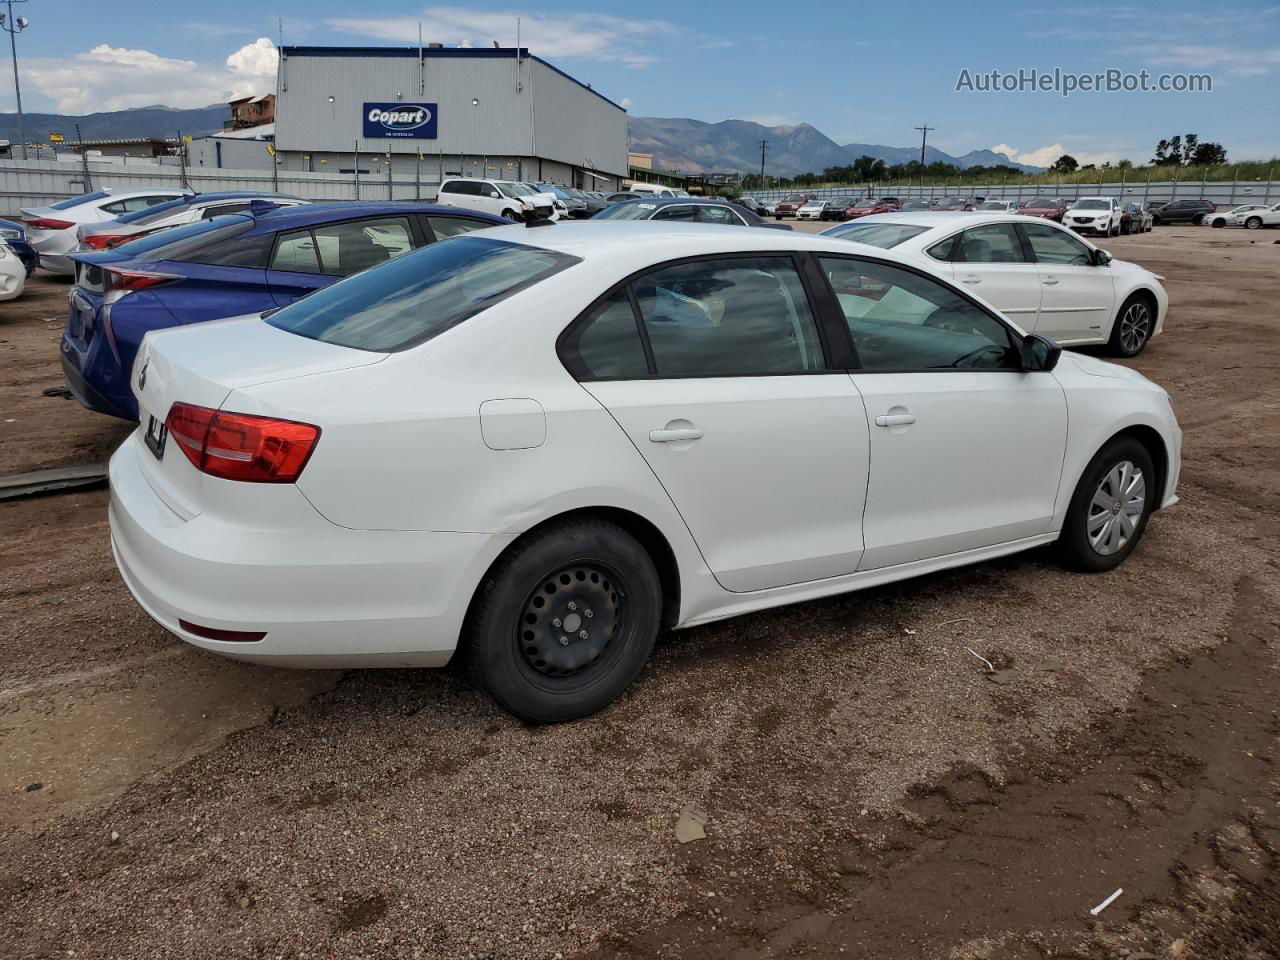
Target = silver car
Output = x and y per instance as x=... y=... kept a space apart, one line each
x=172 y=213
x=52 y=229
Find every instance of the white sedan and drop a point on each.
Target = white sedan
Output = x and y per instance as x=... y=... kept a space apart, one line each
x=13 y=274
x=1044 y=277
x=52 y=229
x=812 y=210
x=1256 y=219
x=536 y=447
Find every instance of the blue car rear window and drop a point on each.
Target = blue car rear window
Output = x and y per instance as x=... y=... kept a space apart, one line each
x=415 y=297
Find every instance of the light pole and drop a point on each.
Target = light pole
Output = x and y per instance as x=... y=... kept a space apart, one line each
x=14 y=26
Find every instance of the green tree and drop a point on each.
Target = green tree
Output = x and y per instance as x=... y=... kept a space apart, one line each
x=1207 y=154
x=1065 y=164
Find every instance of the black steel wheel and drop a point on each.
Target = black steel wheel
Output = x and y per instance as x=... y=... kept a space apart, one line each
x=564 y=621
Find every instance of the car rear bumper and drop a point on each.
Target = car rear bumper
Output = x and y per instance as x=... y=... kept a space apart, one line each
x=326 y=596
x=56 y=263
x=88 y=395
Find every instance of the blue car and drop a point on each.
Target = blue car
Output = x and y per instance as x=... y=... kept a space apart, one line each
x=15 y=235
x=226 y=267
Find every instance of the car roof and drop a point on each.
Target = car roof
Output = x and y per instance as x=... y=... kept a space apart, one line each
x=600 y=240
x=944 y=218
x=667 y=201
x=306 y=214
x=240 y=195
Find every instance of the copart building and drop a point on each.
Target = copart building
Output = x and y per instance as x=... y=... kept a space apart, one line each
x=435 y=111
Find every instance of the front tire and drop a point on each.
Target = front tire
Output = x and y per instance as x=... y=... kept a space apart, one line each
x=510 y=215
x=1132 y=330
x=1110 y=508
x=564 y=622
x=1253 y=223
x=1198 y=219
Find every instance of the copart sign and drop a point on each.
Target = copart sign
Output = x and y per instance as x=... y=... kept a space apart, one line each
x=383 y=120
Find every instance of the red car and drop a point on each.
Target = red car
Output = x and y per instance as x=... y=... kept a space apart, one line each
x=955 y=203
x=1050 y=208
x=788 y=206
x=866 y=206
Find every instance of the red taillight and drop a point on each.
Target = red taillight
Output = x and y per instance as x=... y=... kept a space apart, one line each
x=133 y=280
x=105 y=241
x=40 y=223
x=236 y=446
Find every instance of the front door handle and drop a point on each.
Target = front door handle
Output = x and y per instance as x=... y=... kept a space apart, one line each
x=971 y=278
x=675 y=436
x=1049 y=281
x=895 y=420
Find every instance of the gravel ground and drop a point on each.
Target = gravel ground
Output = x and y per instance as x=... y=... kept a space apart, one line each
x=868 y=786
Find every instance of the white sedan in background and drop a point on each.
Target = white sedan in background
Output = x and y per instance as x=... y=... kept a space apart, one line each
x=1256 y=219
x=13 y=274
x=1226 y=217
x=535 y=447
x=1043 y=277
x=812 y=210
x=52 y=229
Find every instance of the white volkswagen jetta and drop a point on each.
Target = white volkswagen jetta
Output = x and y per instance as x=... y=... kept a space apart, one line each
x=535 y=447
x=1040 y=275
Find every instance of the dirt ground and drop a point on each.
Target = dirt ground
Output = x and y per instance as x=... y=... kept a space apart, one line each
x=871 y=791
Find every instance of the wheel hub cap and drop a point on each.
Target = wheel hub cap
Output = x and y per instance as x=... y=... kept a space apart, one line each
x=569 y=619
x=1134 y=327
x=1117 y=508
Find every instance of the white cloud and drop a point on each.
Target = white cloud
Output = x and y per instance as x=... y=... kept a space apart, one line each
x=625 y=103
x=1045 y=156
x=585 y=36
x=116 y=78
x=772 y=119
x=1235 y=60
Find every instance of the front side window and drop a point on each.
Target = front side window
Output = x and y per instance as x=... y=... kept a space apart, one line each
x=900 y=321
x=1052 y=245
x=733 y=317
x=416 y=297
x=991 y=243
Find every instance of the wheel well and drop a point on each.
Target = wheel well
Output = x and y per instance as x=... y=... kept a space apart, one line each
x=649 y=537
x=1154 y=445
x=1144 y=294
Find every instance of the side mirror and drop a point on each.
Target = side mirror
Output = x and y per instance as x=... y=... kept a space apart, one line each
x=1101 y=258
x=495 y=194
x=1039 y=354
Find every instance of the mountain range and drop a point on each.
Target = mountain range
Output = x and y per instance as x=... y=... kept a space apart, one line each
x=690 y=146
x=693 y=146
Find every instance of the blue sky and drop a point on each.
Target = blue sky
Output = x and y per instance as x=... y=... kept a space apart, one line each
x=857 y=71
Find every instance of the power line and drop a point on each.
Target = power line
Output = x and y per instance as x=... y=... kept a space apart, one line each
x=924 y=135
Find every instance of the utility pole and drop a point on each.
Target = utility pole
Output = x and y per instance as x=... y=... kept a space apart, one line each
x=84 y=163
x=14 y=26
x=763 y=145
x=924 y=135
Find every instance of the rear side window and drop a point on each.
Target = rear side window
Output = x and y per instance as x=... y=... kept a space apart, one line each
x=464 y=187
x=734 y=317
x=992 y=243
x=413 y=298
x=608 y=345
x=677 y=211
x=296 y=253
x=446 y=227
x=882 y=235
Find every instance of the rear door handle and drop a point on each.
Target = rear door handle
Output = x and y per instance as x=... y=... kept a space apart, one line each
x=895 y=420
x=674 y=436
x=1049 y=281
x=971 y=278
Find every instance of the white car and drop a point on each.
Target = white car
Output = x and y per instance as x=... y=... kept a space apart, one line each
x=1226 y=217
x=52 y=229
x=1256 y=219
x=502 y=198
x=535 y=448
x=1041 y=276
x=811 y=210
x=997 y=206
x=107 y=234
x=1100 y=215
x=13 y=274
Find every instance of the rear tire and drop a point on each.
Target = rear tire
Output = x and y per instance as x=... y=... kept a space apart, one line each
x=1253 y=223
x=1198 y=219
x=564 y=622
x=1109 y=509
x=1131 y=331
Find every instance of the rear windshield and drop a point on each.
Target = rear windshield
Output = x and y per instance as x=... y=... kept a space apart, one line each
x=157 y=212
x=420 y=295
x=1042 y=203
x=179 y=243
x=76 y=201
x=994 y=205
x=883 y=235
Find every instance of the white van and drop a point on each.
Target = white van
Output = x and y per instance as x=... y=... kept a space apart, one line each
x=503 y=198
x=656 y=190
